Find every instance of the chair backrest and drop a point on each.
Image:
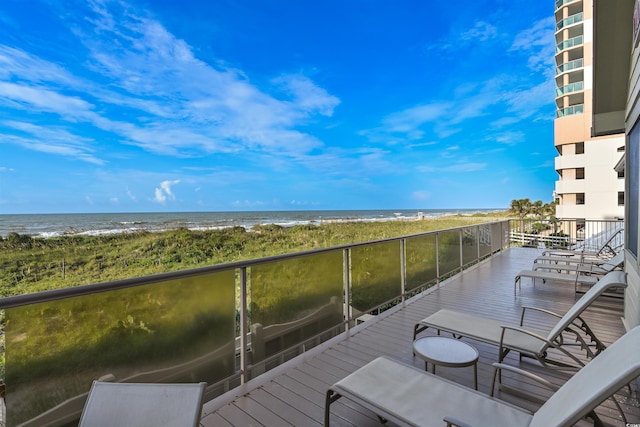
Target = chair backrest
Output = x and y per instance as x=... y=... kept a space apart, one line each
x=612 y=279
x=143 y=404
x=607 y=373
x=614 y=262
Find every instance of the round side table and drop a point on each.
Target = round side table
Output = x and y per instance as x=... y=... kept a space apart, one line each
x=448 y=352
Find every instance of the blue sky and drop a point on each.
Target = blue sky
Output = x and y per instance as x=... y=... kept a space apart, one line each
x=226 y=105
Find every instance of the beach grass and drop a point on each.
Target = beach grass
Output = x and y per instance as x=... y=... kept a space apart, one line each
x=37 y=264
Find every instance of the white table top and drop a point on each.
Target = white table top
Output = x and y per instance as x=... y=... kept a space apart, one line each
x=445 y=351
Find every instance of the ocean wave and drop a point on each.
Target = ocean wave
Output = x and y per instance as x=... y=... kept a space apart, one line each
x=57 y=225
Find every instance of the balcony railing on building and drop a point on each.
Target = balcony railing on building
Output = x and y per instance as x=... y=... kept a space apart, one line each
x=571 y=110
x=572 y=42
x=570 y=88
x=560 y=3
x=571 y=65
x=225 y=324
x=570 y=20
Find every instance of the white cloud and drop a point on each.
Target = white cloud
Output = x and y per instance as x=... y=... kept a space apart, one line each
x=166 y=100
x=165 y=193
x=510 y=138
x=539 y=42
x=248 y=203
x=459 y=167
x=481 y=31
x=420 y=195
x=308 y=95
x=26 y=97
x=50 y=139
x=130 y=194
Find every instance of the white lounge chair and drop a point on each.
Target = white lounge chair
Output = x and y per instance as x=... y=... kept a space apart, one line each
x=608 y=248
x=529 y=342
x=409 y=396
x=143 y=404
x=578 y=275
x=584 y=267
x=575 y=279
x=571 y=260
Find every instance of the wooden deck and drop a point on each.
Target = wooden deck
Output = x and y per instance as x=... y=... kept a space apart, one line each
x=294 y=394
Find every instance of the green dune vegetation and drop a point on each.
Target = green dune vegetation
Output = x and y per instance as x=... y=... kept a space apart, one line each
x=155 y=326
x=35 y=264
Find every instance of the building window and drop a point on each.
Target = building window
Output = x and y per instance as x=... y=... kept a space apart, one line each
x=621 y=174
x=579 y=147
x=579 y=173
x=580 y=199
x=620 y=198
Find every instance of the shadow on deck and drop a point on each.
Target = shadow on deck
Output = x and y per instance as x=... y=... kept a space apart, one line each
x=294 y=393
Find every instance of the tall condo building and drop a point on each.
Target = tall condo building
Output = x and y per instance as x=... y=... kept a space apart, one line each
x=591 y=94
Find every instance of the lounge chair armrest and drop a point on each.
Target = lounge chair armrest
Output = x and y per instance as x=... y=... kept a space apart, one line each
x=539 y=379
x=523 y=331
x=541 y=310
x=455 y=422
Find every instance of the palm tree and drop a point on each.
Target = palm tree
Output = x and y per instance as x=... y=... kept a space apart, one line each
x=549 y=210
x=522 y=208
x=537 y=208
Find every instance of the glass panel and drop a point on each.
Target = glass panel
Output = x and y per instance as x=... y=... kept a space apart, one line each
x=375 y=275
x=449 y=252
x=485 y=238
x=171 y=331
x=294 y=300
x=497 y=236
x=420 y=258
x=469 y=245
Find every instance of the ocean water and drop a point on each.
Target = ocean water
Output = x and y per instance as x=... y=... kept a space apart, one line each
x=50 y=225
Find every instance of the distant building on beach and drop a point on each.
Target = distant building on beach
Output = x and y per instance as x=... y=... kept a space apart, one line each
x=592 y=75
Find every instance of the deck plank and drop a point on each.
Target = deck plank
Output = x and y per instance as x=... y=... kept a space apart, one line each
x=296 y=395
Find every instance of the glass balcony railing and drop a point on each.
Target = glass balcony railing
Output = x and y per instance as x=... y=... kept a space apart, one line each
x=224 y=324
x=571 y=65
x=567 y=44
x=570 y=88
x=560 y=3
x=570 y=20
x=569 y=111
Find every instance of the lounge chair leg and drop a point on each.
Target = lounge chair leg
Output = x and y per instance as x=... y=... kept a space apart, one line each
x=331 y=397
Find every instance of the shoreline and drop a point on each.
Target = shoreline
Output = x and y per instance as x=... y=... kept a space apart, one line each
x=61 y=225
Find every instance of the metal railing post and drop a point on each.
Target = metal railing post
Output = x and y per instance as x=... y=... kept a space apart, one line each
x=478 y=240
x=346 y=278
x=438 y=258
x=460 y=243
x=244 y=364
x=403 y=269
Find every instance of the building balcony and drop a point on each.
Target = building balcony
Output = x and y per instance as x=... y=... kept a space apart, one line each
x=570 y=43
x=570 y=20
x=560 y=3
x=269 y=336
x=570 y=111
x=569 y=161
x=576 y=64
x=571 y=186
x=570 y=88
